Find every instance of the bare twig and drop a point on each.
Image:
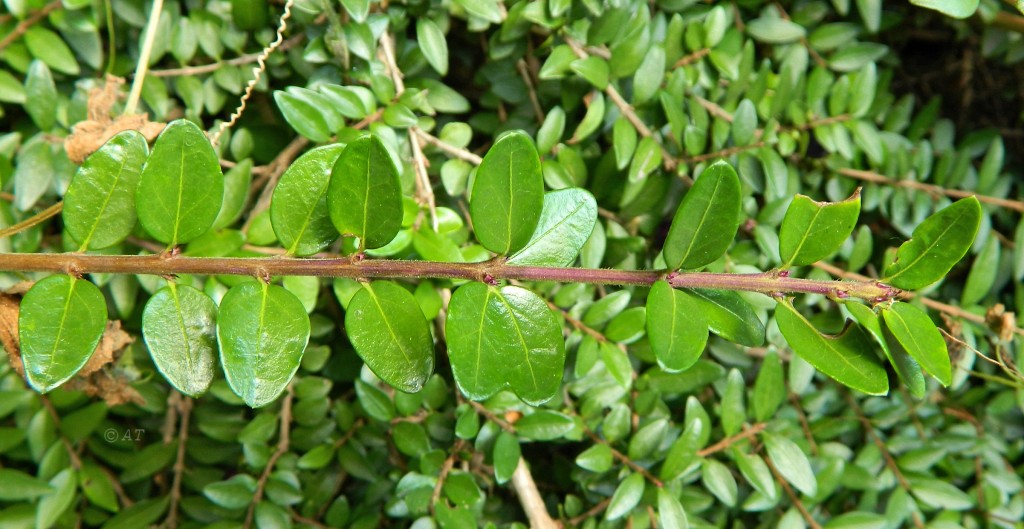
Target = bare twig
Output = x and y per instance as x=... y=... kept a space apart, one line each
x=29 y=21
x=36 y=219
x=248 y=58
x=731 y=440
x=448 y=148
x=934 y=190
x=283 y=442
x=185 y=410
x=529 y=497
x=76 y=462
x=590 y=513
x=624 y=459
x=152 y=26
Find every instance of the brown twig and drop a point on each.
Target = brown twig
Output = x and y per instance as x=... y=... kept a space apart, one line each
x=530 y=499
x=805 y=425
x=731 y=440
x=248 y=58
x=448 y=148
x=29 y=21
x=283 y=442
x=184 y=405
x=793 y=497
x=524 y=72
x=932 y=189
x=590 y=513
x=449 y=462
x=34 y=220
x=624 y=459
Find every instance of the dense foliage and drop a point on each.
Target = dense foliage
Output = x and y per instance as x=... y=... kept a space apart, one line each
x=494 y=264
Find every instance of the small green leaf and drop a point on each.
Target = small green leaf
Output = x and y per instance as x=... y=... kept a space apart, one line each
x=717 y=478
x=775 y=30
x=432 y=44
x=670 y=512
x=508 y=194
x=298 y=207
x=847 y=357
x=906 y=367
x=744 y=123
x=16 y=485
x=952 y=8
x=812 y=231
x=98 y=487
x=729 y=316
x=99 y=206
x=48 y=47
x=233 y=493
x=309 y=113
x=916 y=333
x=262 y=331
x=791 y=462
x=388 y=330
x=940 y=494
x=624 y=139
x=504 y=337
x=544 y=425
x=236 y=191
x=706 y=221
x=983 y=273
x=936 y=245
x=181 y=187
x=591 y=120
x=626 y=496
x=41 y=105
x=757 y=473
x=506 y=456
x=53 y=505
x=769 y=388
x=676 y=327
x=61 y=321
x=142 y=514
x=365 y=194
x=377 y=404
x=565 y=224
x=179 y=326
x=593 y=69
x=597 y=458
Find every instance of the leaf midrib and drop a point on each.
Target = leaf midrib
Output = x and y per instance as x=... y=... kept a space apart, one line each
x=387 y=323
x=927 y=249
x=703 y=219
x=60 y=326
x=103 y=207
x=539 y=238
x=522 y=339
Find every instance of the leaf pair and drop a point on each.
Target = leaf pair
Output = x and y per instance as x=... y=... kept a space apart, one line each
x=349 y=189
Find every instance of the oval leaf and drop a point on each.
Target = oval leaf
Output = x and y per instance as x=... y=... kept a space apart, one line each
x=181 y=187
x=670 y=512
x=99 y=206
x=262 y=331
x=916 y=334
x=61 y=321
x=508 y=194
x=298 y=208
x=706 y=221
x=432 y=44
x=935 y=246
x=504 y=337
x=566 y=222
x=626 y=496
x=676 y=327
x=791 y=462
x=729 y=316
x=847 y=357
x=906 y=367
x=388 y=330
x=179 y=326
x=812 y=231
x=365 y=195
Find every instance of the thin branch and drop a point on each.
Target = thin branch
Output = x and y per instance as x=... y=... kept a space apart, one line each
x=448 y=148
x=248 y=58
x=624 y=459
x=185 y=410
x=792 y=495
x=531 y=90
x=30 y=21
x=152 y=26
x=729 y=441
x=935 y=190
x=449 y=462
x=76 y=462
x=529 y=497
x=283 y=441
x=687 y=60
x=590 y=513
x=33 y=220
x=767 y=283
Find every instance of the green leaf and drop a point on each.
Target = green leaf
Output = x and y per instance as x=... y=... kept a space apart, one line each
x=626 y=496
x=769 y=388
x=983 y=273
x=858 y=520
x=359 y=9
x=952 y=8
x=504 y=337
x=847 y=357
x=506 y=456
x=432 y=44
x=906 y=367
x=915 y=332
x=11 y=89
x=597 y=458
x=41 y=106
x=310 y=113
x=729 y=316
x=61 y=321
x=99 y=206
x=48 y=47
x=676 y=327
x=378 y=405
x=16 y=485
x=236 y=191
x=791 y=462
x=757 y=473
x=936 y=245
x=142 y=514
x=181 y=187
x=298 y=207
x=717 y=478
x=388 y=330
x=53 y=505
x=593 y=69
x=262 y=331
x=179 y=326
x=940 y=494
x=591 y=120
x=98 y=487
x=566 y=222
x=706 y=221
x=775 y=30
x=812 y=231
x=544 y=425
x=744 y=123
x=508 y=194
x=670 y=512
x=365 y=195
x=624 y=138
x=233 y=493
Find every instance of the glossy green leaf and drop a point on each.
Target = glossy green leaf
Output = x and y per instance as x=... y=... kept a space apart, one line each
x=706 y=221
x=717 y=478
x=624 y=139
x=544 y=425
x=236 y=190
x=757 y=473
x=920 y=338
x=983 y=273
x=309 y=113
x=16 y=485
x=48 y=47
x=365 y=195
x=41 y=104
x=98 y=487
x=591 y=120
x=769 y=388
x=99 y=206
x=744 y=123
x=812 y=231
x=729 y=316
x=953 y=8
x=506 y=456
x=433 y=44
x=847 y=357
x=262 y=331
x=940 y=494
x=566 y=222
x=504 y=337
x=62 y=319
x=670 y=512
x=626 y=496
x=906 y=367
x=791 y=462
x=298 y=207
x=181 y=187
x=775 y=30
x=936 y=245
x=388 y=330
x=508 y=194
x=53 y=505
x=179 y=326
x=597 y=458
x=676 y=327
x=142 y=514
